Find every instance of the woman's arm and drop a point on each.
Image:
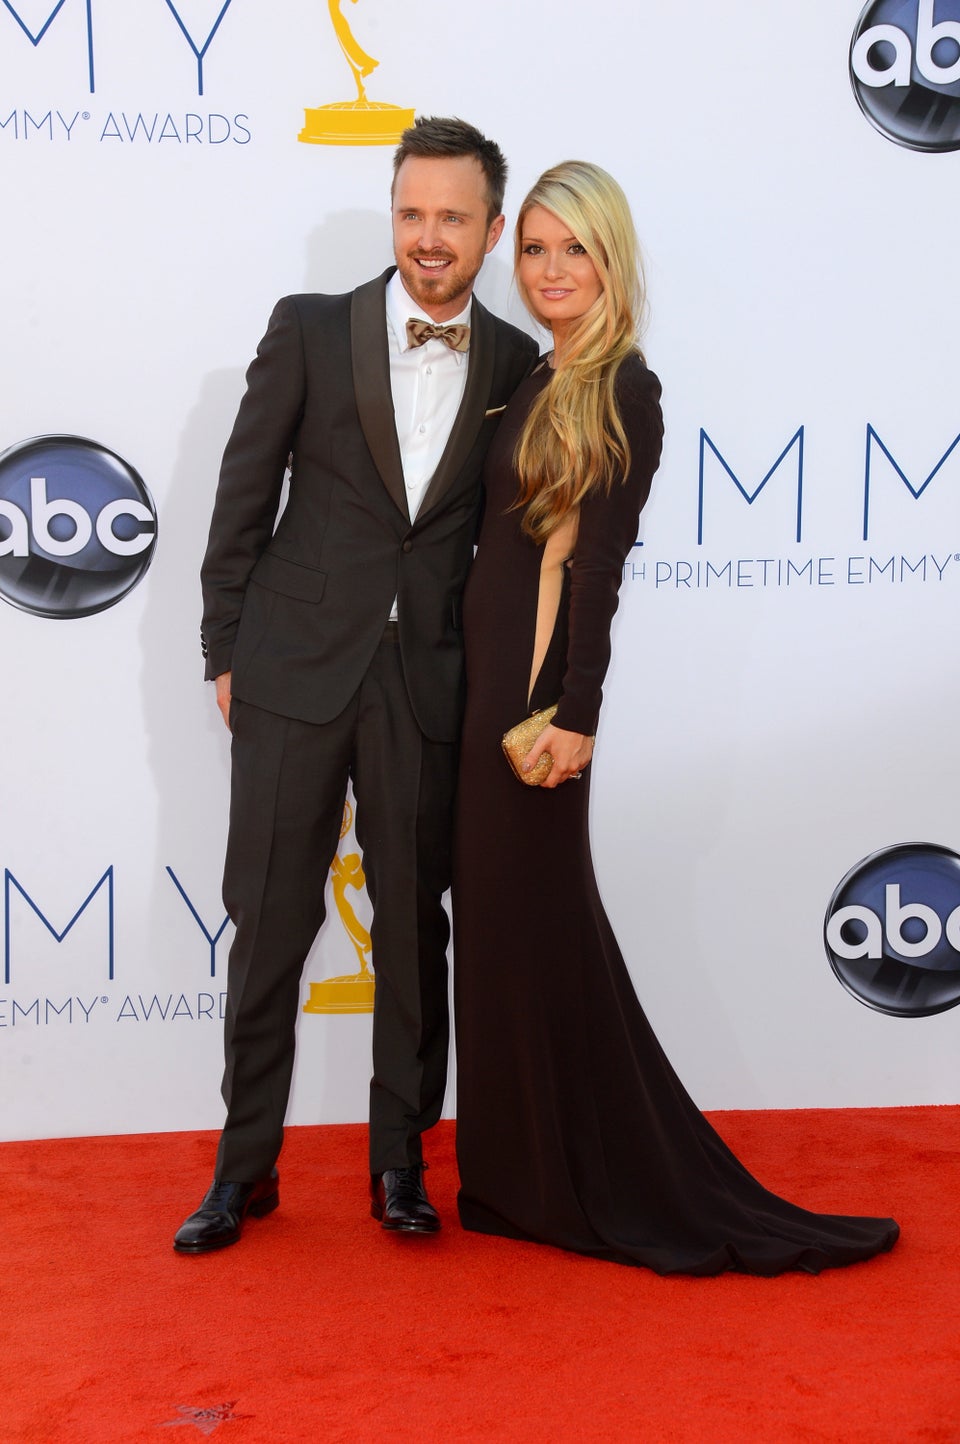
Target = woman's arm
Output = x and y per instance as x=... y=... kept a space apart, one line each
x=607 y=532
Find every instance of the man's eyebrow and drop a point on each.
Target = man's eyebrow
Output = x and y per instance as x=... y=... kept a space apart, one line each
x=445 y=210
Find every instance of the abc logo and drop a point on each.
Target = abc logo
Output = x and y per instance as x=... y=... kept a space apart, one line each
x=905 y=71
x=892 y=930
x=77 y=527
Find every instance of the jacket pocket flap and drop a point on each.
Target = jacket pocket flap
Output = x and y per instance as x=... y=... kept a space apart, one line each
x=290 y=579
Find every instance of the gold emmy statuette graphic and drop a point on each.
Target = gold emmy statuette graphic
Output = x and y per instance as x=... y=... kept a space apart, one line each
x=352 y=993
x=360 y=121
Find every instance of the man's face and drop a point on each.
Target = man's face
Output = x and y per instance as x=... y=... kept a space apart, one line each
x=441 y=230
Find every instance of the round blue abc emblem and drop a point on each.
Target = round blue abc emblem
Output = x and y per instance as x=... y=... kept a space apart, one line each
x=77 y=527
x=892 y=930
x=905 y=71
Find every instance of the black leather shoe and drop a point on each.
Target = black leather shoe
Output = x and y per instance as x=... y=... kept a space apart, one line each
x=219 y=1219
x=399 y=1200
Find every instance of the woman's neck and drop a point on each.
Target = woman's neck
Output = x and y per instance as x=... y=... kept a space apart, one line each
x=560 y=336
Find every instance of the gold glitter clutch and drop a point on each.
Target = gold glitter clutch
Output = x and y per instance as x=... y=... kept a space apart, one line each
x=517 y=743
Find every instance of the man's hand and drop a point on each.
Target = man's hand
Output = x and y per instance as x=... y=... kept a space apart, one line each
x=571 y=752
x=223 y=696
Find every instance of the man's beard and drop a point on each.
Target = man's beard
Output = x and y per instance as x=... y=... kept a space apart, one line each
x=444 y=288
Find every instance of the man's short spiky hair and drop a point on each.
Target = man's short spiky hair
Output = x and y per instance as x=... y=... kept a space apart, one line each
x=438 y=136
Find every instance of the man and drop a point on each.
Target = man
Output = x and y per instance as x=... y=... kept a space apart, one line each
x=333 y=636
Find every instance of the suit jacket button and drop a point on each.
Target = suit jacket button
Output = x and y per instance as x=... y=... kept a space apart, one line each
x=408 y=546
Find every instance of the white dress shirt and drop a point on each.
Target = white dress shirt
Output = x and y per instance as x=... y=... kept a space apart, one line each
x=427 y=383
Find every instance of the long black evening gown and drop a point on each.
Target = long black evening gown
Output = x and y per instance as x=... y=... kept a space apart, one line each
x=572 y=1127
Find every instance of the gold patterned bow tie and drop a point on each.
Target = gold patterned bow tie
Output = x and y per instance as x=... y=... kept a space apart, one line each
x=456 y=337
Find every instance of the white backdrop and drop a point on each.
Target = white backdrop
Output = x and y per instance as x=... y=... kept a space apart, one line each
x=766 y=725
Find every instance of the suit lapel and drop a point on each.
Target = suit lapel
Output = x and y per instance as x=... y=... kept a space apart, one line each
x=470 y=415
x=371 y=384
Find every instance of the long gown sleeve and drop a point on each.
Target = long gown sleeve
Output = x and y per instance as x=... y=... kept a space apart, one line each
x=608 y=530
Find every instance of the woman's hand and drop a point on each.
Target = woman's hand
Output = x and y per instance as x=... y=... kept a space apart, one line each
x=571 y=753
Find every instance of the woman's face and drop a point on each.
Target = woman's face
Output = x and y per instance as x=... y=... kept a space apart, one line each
x=558 y=276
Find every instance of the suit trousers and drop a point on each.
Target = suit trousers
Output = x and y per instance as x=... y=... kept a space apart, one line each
x=289 y=781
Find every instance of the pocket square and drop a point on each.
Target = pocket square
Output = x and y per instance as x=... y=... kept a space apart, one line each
x=494 y=410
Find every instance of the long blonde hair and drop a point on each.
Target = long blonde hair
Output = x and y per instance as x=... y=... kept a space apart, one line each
x=573 y=440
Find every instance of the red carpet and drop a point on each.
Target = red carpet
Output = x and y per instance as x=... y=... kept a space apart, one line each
x=318 y=1326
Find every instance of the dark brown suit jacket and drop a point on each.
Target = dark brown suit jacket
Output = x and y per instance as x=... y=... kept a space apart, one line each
x=296 y=608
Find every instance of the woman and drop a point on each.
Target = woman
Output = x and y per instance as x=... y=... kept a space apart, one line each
x=572 y=1127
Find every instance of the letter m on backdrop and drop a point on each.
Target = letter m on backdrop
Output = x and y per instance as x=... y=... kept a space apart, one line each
x=915 y=491
x=10 y=882
x=35 y=39
x=750 y=496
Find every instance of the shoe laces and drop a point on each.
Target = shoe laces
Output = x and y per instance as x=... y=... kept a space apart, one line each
x=222 y=1196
